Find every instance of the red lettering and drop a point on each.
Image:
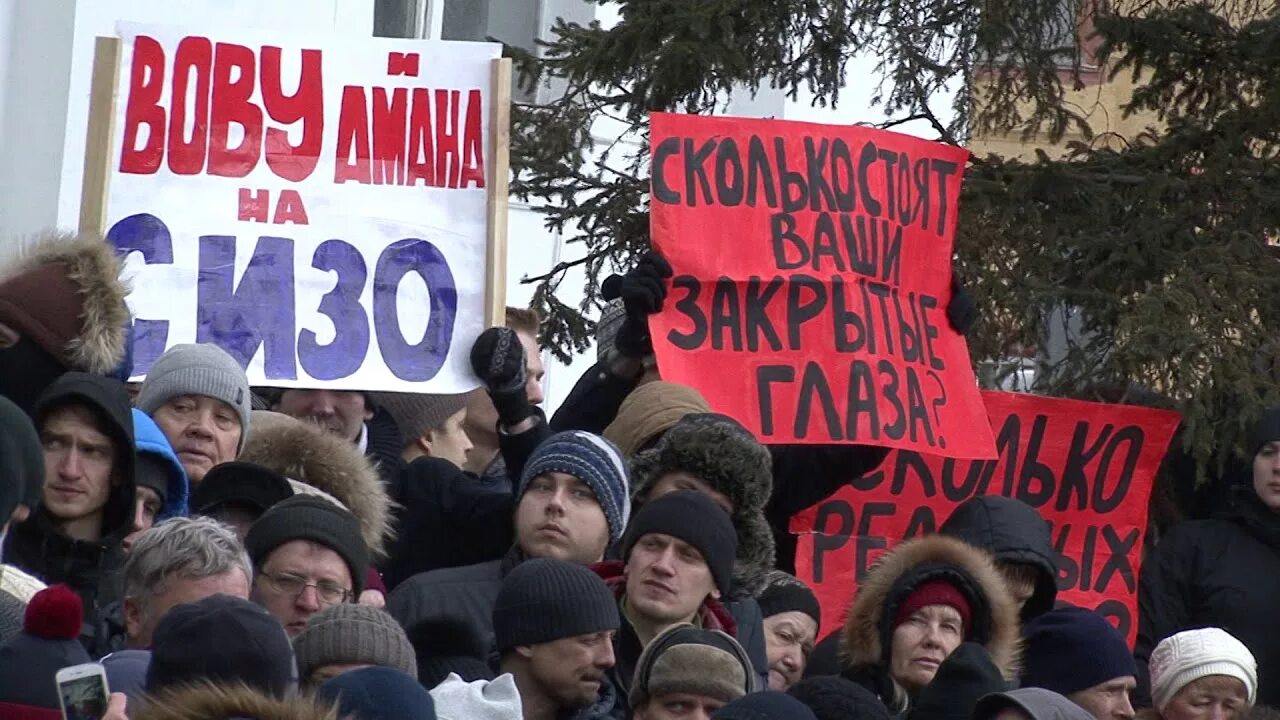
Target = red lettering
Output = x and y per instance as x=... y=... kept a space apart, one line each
x=146 y=81
x=253 y=205
x=389 y=136
x=447 y=173
x=289 y=209
x=473 y=144
x=294 y=162
x=193 y=56
x=421 y=147
x=352 y=162
x=233 y=81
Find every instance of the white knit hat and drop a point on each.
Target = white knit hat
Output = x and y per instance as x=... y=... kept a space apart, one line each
x=497 y=699
x=1190 y=655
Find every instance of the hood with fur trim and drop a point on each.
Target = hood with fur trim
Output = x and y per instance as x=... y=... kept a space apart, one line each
x=89 y=266
x=306 y=453
x=724 y=455
x=214 y=702
x=996 y=627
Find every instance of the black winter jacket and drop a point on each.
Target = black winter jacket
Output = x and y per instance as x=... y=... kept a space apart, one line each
x=38 y=546
x=1222 y=573
x=803 y=475
x=1012 y=531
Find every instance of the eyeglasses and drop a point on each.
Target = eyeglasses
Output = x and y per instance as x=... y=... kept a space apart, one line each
x=286 y=584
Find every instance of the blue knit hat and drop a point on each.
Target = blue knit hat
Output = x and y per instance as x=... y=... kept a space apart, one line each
x=593 y=460
x=1071 y=649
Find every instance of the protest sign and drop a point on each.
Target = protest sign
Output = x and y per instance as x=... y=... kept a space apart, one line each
x=1086 y=467
x=812 y=275
x=329 y=210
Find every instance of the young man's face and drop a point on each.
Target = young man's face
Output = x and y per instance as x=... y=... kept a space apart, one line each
x=667 y=579
x=450 y=441
x=340 y=412
x=559 y=517
x=79 y=461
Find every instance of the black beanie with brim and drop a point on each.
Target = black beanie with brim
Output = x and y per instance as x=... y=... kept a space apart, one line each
x=307 y=517
x=692 y=517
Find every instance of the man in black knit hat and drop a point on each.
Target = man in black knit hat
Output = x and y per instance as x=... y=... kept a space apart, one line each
x=554 y=623
x=679 y=552
x=308 y=554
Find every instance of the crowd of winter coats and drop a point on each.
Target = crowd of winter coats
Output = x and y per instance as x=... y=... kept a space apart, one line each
x=234 y=552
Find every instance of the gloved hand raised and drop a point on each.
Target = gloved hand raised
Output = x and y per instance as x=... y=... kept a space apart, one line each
x=498 y=360
x=643 y=290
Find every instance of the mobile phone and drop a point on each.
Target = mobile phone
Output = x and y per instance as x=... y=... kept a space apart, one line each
x=82 y=689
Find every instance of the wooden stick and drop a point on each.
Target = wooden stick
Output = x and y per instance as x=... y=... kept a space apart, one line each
x=495 y=308
x=98 y=137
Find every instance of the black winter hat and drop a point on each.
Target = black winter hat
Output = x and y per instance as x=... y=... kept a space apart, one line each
x=695 y=519
x=766 y=705
x=786 y=593
x=964 y=677
x=1071 y=649
x=448 y=645
x=544 y=599
x=222 y=639
x=836 y=698
x=306 y=517
x=240 y=483
x=1266 y=430
x=21 y=460
x=1013 y=532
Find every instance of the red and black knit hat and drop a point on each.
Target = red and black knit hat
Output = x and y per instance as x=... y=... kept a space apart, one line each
x=32 y=658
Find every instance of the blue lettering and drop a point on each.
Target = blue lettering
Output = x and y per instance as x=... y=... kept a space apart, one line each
x=346 y=353
x=420 y=362
x=259 y=312
x=145 y=233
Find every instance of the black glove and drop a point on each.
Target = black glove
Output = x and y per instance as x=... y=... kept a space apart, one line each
x=643 y=290
x=497 y=359
x=962 y=311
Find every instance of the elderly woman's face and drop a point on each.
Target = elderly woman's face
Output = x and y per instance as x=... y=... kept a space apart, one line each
x=1215 y=697
x=921 y=644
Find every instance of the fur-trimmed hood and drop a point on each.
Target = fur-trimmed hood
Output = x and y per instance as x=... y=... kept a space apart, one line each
x=306 y=453
x=91 y=269
x=724 y=455
x=213 y=702
x=899 y=571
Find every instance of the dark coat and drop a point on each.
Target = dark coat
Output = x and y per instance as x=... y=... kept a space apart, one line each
x=1221 y=573
x=1012 y=531
x=446 y=519
x=453 y=596
x=39 y=546
x=383 y=445
x=452 y=518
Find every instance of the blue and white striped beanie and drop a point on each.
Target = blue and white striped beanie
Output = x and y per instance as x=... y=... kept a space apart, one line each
x=593 y=460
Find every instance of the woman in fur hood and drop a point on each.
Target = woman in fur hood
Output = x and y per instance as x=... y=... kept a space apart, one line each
x=918 y=604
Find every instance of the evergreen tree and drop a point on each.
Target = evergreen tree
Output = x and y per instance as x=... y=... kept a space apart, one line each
x=1156 y=253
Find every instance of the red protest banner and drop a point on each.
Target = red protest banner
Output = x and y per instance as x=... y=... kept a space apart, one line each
x=812 y=275
x=1086 y=467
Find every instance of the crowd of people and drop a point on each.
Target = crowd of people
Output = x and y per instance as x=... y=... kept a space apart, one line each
x=228 y=551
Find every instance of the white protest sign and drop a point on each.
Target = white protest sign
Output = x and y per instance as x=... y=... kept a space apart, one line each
x=314 y=205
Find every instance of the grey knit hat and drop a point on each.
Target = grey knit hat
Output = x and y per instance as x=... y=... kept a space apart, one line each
x=198 y=369
x=544 y=599
x=688 y=659
x=416 y=415
x=351 y=634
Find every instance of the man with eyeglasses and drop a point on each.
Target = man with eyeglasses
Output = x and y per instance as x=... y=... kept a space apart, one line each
x=308 y=554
